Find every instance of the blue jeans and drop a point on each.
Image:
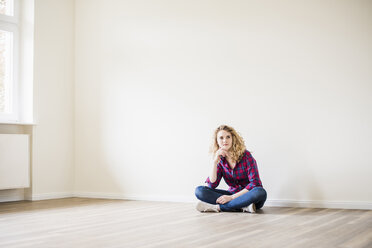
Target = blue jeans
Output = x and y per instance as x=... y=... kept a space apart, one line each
x=256 y=195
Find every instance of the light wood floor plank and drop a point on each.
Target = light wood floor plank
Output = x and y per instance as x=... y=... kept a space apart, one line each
x=80 y=222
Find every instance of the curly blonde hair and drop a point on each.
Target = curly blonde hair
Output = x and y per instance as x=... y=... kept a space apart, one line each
x=238 y=147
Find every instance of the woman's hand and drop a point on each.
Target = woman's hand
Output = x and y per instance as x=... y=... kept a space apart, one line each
x=220 y=152
x=224 y=199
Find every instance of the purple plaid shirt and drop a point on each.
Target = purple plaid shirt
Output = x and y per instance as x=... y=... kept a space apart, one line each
x=244 y=175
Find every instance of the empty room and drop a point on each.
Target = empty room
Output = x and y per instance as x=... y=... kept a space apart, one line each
x=185 y=123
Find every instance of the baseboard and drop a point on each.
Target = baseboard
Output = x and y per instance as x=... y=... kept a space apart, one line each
x=269 y=202
x=319 y=204
x=161 y=198
x=49 y=196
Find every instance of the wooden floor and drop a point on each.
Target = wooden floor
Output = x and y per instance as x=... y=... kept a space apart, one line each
x=79 y=222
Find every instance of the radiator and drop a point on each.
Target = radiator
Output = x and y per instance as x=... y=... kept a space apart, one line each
x=14 y=161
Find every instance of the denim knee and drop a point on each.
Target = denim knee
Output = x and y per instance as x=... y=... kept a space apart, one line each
x=262 y=193
x=259 y=192
x=261 y=198
x=199 y=192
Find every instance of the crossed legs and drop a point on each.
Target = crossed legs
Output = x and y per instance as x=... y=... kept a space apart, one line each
x=256 y=195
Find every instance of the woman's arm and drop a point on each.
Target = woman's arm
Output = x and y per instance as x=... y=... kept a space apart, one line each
x=216 y=175
x=240 y=193
x=253 y=175
x=214 y=180
x=226 y=198
x=213 y=176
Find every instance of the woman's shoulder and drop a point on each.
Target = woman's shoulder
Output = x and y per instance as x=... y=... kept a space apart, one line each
x=247 y=153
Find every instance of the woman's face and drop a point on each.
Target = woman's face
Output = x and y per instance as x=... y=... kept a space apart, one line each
x=224 y=139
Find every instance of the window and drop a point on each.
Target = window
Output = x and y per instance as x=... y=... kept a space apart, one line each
x=8 y=60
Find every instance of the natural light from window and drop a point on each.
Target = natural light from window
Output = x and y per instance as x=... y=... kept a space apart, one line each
x=7 y=84
x=6 y=7
x=5 y=71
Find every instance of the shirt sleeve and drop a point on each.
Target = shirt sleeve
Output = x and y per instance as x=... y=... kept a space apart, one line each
x=253 y=176
x=217 y=182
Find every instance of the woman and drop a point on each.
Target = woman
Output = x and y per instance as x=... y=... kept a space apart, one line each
x=236 y=165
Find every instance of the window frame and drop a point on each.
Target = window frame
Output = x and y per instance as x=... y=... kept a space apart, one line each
x=11 y=24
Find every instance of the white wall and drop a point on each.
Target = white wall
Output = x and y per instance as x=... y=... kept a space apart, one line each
x=53 y=142
x=154 y=78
